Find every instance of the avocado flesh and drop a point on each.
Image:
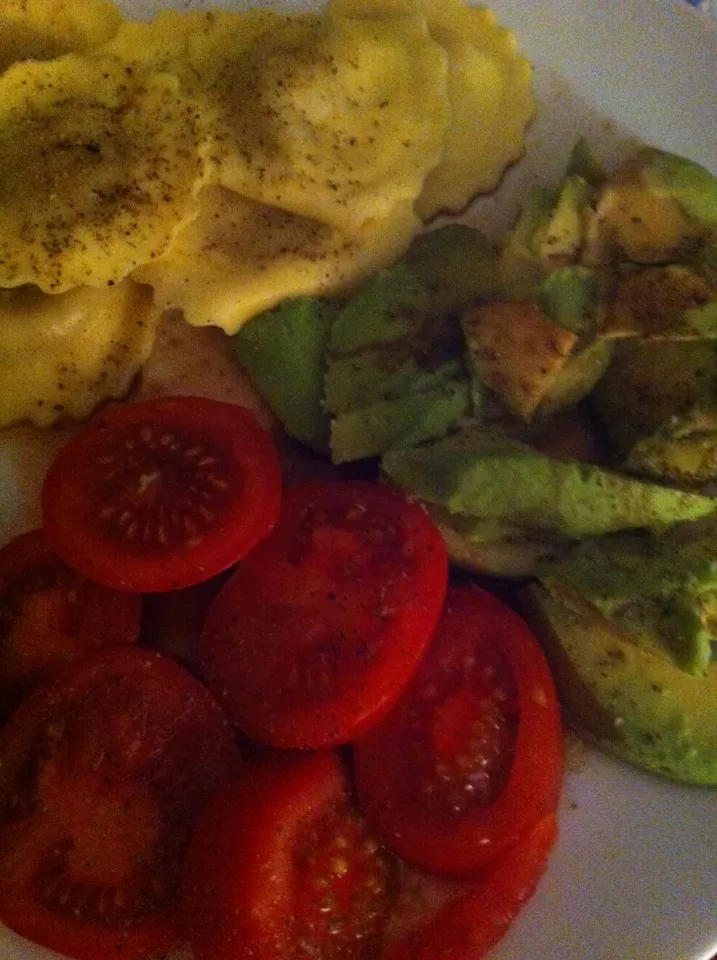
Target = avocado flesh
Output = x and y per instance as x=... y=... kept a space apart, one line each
x=662 y=595
x=672 y=302
x=507 y=482
x=284 y=353
x=650 y=384
x=396 y=372
x=683 y=451
x=577 y=378
x=656 y=209
x=632 y=699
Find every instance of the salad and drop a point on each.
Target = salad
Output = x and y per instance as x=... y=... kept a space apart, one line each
x=541 y=840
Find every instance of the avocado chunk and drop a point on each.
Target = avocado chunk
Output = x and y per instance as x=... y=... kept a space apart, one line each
x=516 y=350
x=672 y=302
x=657 y=208
x=284 y=352
x=561 y=238
x=683 y=451
x=520 y=267
x=629 y=696
x=577 y=378
x=396 y=372
x=651 y=384
x=505 y=481
x=665 y=596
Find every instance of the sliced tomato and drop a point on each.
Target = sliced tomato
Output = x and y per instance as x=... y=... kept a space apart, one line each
x=281 y=865
x=470 y=759
x=155 y=496
x=319 y=630
x=51 y=615
x=472 y=922
x=103 y=773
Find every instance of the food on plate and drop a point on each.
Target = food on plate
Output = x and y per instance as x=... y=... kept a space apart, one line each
x=282 y=863
x=62 y=354
x=43 y=29
x=628 y=624
x=163 y=494
x=321 y=627
x=473 y=919
x=103 y=774
x=470 y=758
x=100 y=170
x=240 y=257
x=50 y=615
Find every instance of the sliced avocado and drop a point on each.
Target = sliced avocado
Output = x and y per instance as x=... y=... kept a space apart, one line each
x=505 y=481
x=672 y=302
x=649 y=384
x=656 y=209
x=561 y=238
x=396 y=372
x=569 y=297
x=403 y=421
x=694 y=187
x=655 y=592
x=631 y=698
x=520 y=266
x=457 y=264
x=284 y=353
x=577 y=378
x=516 y=350
x=682 y=451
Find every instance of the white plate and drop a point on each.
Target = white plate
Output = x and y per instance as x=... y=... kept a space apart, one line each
x=634 y=875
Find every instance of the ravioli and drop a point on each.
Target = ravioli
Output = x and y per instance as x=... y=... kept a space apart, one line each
x=61 y=355
x=330 y=118
x=43 y=29
x=241 y=257
x=489 y=90
x=100 y=169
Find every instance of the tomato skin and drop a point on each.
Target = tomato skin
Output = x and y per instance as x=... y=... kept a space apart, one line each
x=262 y=859
x=405 y=764
x=103 y=773
x=319 y=630
x=50 y=615
x=155 y=496
x=468 y=927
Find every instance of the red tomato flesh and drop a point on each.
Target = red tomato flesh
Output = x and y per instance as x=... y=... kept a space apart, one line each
x=471 y=923
x=281 y=866
x=470 y=759
x=154 y=496
x=103 y=773
x=319 y=630
x=50 y=616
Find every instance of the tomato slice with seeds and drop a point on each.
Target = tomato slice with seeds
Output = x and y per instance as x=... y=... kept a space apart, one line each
x=318 y=631
x=470 y=759
x=51 y=615
x=154 y=496
x=282 y=865
x=103 y=773
x=473 y=921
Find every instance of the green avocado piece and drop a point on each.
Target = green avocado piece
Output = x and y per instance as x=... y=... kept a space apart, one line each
x=693 y=186
x=396 y=372
x=520 y=267
x=577 y=378
x=506 y=481
x=284 y=353
x=569 y=296
x=403 y=421
x=457 y=264
x=561 y=238
x=583 y=162
x=657 y=208
x=651 y=384
x=629 y=696
x=666 y=302
x=654 y=591
x=682 y=451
